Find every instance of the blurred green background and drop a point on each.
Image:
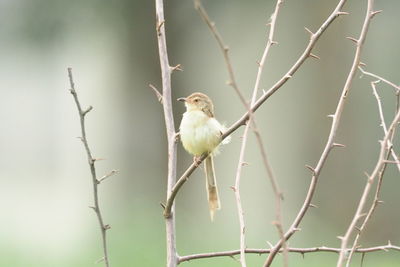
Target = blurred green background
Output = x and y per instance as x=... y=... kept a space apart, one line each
x=45 y=184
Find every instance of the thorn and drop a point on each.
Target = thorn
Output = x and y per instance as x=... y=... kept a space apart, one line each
x=372 y=14
x=226 y=48
x=342 y=13
x=233 y=257
x=361 y=215
x=177 y=137
x=331 y=116
x=162 y=205
x=362 y=64
x=177 y=68
x=352 y=39
x=374 y=83
x=159 y=27
x=313 y=206
x=87 y=110
x=366 y=174
x=258 y=63
x=107 y=227
x=357 y=228
x=296 y=229
x=310 y=168
x=233 y=188
x=380 y=202
x=338 y=145
x=92 y=207
x=100 y=260
x=97 y=159
x=288 y=76
x=314 y=56
x=389 y=243
x=158 y=94
x=111 y=173
x=270 y=245
x=308 y=30
x=274 y=43
x=244 y=163
x=340 y=237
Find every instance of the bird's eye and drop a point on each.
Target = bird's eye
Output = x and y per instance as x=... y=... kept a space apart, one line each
x=196 y=100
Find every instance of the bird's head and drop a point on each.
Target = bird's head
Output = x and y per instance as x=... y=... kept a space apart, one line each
x=198 y=101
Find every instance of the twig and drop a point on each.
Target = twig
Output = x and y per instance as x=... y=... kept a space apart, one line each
x=242 y=120
x=383 y=124
x=359 y=212
x=380 y=174
x=396 y=87
x=251 y=121
x=330 y=143
x=231 y=253
x=91 y=161
x=166 y=70
x=224 y=48
x=369 y=214
x=367 y=20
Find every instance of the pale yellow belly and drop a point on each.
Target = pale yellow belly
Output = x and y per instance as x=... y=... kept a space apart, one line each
x=199 y=133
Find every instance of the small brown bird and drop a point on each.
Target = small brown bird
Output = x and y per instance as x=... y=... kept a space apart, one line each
x=201 y=133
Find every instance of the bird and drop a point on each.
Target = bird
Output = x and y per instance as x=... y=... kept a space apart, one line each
x=201 y=133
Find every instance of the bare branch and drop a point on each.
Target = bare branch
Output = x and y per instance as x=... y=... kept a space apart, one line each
x=91 y=161
x=356 y=63
x=382 y=162
x=378 y=167
x=166 y=70
x=396 y=87
x=335 y=122
x=224 y=48
x=383 y=123
x=231 y=253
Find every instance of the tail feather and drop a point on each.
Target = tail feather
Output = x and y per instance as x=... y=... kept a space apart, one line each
x=212 y=189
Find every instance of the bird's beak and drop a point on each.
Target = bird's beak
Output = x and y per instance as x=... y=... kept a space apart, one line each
x=182 y=99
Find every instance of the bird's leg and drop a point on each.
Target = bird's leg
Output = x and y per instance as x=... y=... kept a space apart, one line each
x=196 y=160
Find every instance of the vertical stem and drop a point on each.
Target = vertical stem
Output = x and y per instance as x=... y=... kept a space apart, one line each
x=166 y=70
x=91 y=161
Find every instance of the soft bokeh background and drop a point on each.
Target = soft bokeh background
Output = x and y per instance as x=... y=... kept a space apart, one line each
x=45 y=186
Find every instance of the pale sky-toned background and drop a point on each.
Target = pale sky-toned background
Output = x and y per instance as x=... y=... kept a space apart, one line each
x=45 y=186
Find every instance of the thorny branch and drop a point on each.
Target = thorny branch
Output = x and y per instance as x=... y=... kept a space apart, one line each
x=381 y=173
x=302 y=251
x=329 y=145
x=356 y=62
x=378 y=167
x=166 y=71
x=91 y=161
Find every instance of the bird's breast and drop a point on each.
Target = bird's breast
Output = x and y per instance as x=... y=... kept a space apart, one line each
x=199 y=133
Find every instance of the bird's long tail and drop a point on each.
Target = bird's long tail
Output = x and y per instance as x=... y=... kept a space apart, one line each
x=211 y=184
